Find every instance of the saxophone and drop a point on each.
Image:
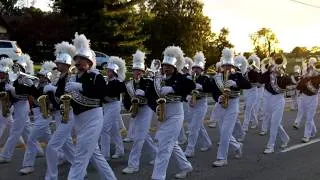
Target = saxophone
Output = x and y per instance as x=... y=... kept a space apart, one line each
x=194 y=93
x=160 y=110
x=66 y=98
x=135 y=104
x=44 y=105
x=4 y=98
x=226 y=91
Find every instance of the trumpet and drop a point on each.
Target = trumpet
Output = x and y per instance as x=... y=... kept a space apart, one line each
x=226 y=91
x=4 y=98
x=44 y=106
x=160 y=110
x=24 y=77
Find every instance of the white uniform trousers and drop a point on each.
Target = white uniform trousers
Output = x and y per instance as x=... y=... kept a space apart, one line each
x=274 y=111
x=308 y=108
x=187 y=119
x=265 y=119
x=227 y=119
x=294 y=104
x=88 y=127
x=21 y=126
x=60 y=140
x=141 y=127
x=111 y=129
x=259 y=103
x=238 y=130
x=197 y=128
x=212 y=116
x=40 y=130
x=300 y=112
x=166 y=141
x=130 y=134
x=250 y=102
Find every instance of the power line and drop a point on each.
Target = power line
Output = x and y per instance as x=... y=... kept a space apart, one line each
x=307 y=4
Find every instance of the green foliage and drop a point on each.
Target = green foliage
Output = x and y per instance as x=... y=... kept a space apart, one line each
x=113 y=26
x=265 y=42
x=7 y=7
x=176 y=22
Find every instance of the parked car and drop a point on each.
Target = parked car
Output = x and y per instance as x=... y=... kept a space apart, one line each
x=102 y=59
x=9 y=49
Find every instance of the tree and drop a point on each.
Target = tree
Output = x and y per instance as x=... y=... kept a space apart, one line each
x=113 y=26
x=265 y=42
x=176 y=22
x=7 y=7
x=213 y=49
x=300 y=52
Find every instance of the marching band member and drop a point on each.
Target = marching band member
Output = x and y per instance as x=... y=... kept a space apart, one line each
x=226 y=92
x=116 y=70
x=252 y=74
x=61 y=138
x=186 y=70
x=19 y=92
x=295 y=95
x=198 y=103
x=275 y=84
x=309 y=87
x=213 y=120
x=6 y=119
x=42 y=121
x=136 y=101
x=265 y=63
x=307 y=71
x=87 y=90
x=171 y=88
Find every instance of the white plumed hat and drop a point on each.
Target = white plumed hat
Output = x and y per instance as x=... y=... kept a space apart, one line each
x=47 y=69
x=173 y=55
x=241 y=63
x=199 y=60
x=312 y=61
x=26 y=63
x=6 y=65
x=138 y=60
x=64 y=53
x=82 y=45
x=227 y=57
x=118 y=66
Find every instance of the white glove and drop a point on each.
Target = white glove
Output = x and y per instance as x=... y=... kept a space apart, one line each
x=140 y=92
x=49 y=88
x=73 y=86
x=231 y=83
x=188 y=98
x=198 y=86
x=166 y=90
x=220 y=99
x=9 y=87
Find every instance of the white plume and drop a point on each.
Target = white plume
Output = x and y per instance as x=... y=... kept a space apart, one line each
x=48 y=66
x=175 y=51
x=81 y=41
x=6 y=62
x=29 y=69
x=227 y=53
x=241 y=62
x=199 y=58
x=122 y=66
x=65 y=47
x=139 y=57
x=312 y=61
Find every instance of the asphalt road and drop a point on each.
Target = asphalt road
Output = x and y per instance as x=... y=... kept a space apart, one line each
x=297 y=164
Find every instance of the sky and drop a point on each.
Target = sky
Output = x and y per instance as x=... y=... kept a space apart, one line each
x=294 y=24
